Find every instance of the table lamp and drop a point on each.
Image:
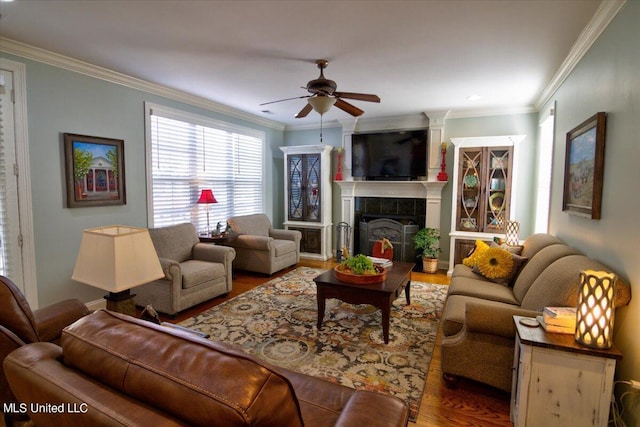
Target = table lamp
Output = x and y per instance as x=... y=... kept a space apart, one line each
x=596 y=308
x=513 y=233
x=117 y=258
x=207 y=197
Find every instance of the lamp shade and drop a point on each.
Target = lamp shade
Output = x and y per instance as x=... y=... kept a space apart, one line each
x=321 y=104
x=595 y=311
x=206 y=196
x=513 y=233
x=116 y=258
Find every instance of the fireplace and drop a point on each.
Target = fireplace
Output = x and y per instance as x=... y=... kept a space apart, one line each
x=427 y=190
x=394 y=218
x=409 y=203
x=400 y=235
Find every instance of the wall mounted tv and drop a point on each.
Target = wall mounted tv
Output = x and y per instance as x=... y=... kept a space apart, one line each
x=389 y=156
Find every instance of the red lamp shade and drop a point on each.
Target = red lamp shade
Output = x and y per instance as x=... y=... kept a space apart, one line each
x=206 y=196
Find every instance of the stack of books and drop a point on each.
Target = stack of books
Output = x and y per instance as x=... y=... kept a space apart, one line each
x=382 y=262
x=560 y=320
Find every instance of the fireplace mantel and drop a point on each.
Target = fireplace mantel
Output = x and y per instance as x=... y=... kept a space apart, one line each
x=410 y=189
x=429 y=190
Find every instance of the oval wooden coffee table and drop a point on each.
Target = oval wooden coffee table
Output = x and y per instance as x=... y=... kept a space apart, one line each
x=380 y=295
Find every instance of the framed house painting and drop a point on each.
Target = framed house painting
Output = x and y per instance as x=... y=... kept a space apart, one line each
x=584 y=167
x=94 y=171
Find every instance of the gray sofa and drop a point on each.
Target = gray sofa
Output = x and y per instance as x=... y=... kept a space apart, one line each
x=261 y=248
x=194 y=272
x=478 y=332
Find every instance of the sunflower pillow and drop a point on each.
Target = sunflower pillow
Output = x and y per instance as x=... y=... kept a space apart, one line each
x=498 y=265
x=470 y=260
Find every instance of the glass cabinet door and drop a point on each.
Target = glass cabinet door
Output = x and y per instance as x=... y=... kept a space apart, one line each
x=496 y=211
x=470 y=186
x=484 y=187
x=304 y=187
x=295 y=172
x=312 y=187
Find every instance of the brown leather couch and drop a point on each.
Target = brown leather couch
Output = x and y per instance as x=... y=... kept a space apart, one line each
x=115 y=370
x=19 y=325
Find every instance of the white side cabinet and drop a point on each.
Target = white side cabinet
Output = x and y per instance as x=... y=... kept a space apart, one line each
x=307 y=190
x=557 y=382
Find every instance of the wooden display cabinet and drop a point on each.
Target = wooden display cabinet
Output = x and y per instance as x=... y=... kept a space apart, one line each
x=308 y=197
x=484 y=189
x=482 y=199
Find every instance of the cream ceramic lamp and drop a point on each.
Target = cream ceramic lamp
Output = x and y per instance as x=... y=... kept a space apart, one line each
x=117 y=258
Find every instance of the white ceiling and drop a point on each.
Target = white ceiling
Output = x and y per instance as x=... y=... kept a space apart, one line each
x=418 y=56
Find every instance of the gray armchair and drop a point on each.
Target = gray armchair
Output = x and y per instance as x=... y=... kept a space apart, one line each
x=194 y=272
x=261 y=248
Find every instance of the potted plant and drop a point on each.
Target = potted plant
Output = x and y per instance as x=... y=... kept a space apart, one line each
x=428 y=241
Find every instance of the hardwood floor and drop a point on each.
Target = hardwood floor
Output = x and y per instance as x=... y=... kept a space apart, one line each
x=469 y=404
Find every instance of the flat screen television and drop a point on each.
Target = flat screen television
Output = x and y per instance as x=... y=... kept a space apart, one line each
x=389 y=156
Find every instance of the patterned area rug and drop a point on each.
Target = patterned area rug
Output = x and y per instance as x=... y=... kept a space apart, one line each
x=276 y=322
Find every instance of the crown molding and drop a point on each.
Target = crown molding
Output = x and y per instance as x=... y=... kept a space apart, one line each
x=50 y=58
x=308 y=126
x=607 y=10
x=485 y=112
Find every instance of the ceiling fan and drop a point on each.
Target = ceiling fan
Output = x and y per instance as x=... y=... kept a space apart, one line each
x=324 y=95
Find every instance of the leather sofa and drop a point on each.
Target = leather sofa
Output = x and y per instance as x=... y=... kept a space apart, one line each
x=194 y=272
x=19 y=325
x=115 y=370
x=261 y=248
x=478 y=331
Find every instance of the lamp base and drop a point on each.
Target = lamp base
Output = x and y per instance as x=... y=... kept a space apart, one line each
x=121 y=302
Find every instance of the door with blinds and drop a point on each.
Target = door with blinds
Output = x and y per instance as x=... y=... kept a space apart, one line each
x=10 y=235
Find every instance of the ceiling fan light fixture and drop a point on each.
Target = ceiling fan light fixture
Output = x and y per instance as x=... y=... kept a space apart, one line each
x=321 y=104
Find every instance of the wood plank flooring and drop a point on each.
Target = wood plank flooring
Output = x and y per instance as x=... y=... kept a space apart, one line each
x=469 y=404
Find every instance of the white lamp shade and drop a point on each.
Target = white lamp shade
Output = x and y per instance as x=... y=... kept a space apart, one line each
x=116 y=258
x=321 y=104
x=596 y=309
x=513 y=233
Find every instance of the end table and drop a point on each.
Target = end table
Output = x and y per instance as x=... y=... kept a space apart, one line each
x=558 y=382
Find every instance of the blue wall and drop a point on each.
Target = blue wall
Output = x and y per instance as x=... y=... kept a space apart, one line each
x=608 y=79
x=60 y=101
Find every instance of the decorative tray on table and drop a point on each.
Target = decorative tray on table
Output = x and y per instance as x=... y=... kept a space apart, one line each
x=344 y=274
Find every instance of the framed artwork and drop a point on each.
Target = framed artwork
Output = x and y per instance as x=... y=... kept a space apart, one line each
x=584 y=168
x=94 y=171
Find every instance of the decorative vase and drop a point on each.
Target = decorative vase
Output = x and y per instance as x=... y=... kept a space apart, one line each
x=429 y=265
x=338 y=176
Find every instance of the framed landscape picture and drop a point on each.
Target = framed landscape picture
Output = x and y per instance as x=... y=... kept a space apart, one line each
x=584 y=167
x=94 y=171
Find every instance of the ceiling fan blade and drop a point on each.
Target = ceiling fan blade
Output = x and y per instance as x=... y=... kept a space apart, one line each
x=349 y=108
x=358 y=96
x=303 y=113
x=286 y=99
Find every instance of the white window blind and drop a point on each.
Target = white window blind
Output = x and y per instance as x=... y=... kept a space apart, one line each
x=10 y=255
x=188 y=153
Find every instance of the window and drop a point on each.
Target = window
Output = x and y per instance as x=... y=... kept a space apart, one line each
x=543 y=185
x=17 y=247
x=187 y=153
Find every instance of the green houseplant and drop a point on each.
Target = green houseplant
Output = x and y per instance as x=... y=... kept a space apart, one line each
x=428 y=241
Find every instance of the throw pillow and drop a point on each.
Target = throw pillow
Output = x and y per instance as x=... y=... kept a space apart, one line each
x=498 y=265
x=470 y=260
x=514 y=249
